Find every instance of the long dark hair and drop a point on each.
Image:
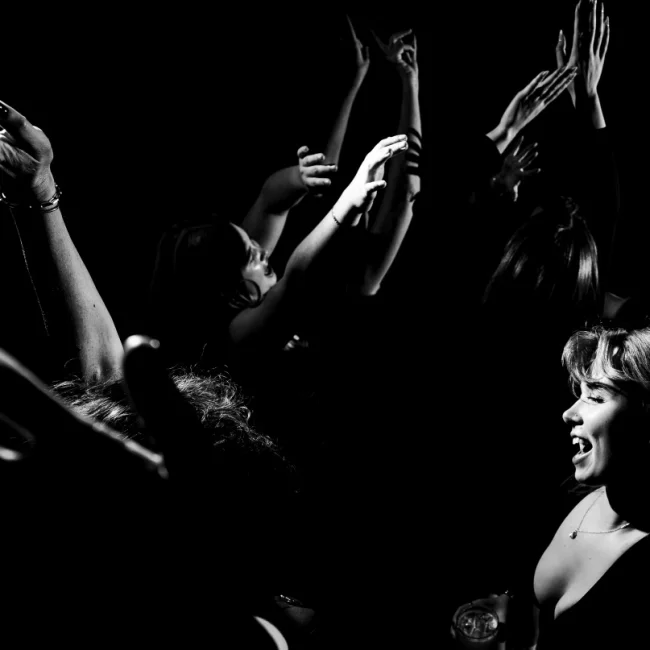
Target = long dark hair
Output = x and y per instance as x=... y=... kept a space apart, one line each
x=551 y=260
x=197 y=286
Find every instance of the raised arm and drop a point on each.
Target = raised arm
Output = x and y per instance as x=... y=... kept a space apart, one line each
x=283 y=190
x=270 y=323
x=339 y=129
x=528 y=103
x=588 y=52
x=70 y=303
x=395 y=211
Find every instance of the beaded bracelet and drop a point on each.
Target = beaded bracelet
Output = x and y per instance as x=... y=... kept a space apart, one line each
x=338 y=223
x=47 y=206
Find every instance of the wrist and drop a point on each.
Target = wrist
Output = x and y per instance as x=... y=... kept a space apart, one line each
x=359 y=76
x=42 y=189
x=410 y=84
x=502 y=137
x=345 y=210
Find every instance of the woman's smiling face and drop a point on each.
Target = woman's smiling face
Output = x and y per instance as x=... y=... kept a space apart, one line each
x=257 y=268
x=604 y=430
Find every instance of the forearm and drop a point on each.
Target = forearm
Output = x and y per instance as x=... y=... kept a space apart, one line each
x=403 y=184
x=340 y=127
x=69 y=299
x=403 y=173
x=312 y=246
x=502 y=137
x=590 y=109
x=281 y=191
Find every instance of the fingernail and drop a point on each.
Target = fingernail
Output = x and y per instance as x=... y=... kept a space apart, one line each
x=4 y=111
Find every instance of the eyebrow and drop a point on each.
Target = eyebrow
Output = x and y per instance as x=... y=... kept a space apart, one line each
x=597 y=385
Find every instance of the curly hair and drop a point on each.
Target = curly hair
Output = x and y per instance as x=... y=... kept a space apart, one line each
x=253 y=458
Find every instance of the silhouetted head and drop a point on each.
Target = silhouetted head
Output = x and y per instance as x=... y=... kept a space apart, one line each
x=204 y=275
x=549 y=263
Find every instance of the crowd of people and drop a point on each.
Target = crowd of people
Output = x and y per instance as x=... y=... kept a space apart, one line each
x=278 y=454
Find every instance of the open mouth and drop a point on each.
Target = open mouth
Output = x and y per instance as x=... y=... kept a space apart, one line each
x=584 y=447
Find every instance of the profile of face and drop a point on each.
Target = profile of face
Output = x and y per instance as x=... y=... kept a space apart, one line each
x=604 y=430
x=257 y=268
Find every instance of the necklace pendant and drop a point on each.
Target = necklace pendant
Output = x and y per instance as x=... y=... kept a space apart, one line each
x=574 y=534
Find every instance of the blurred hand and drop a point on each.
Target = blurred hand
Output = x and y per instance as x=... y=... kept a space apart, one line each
x=518 y=164
x=401 y=54
x=25 y=158
x=362 y=52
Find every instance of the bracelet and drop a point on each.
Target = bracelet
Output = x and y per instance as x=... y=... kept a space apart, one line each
x=47 y=206
x=338 y=223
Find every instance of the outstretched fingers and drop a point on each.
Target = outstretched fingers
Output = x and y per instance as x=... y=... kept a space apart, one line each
x=593 y=25
x=554 y=85
x=386 y=149
x=528 y=154
x=604 y=42
x=354 y=34
x=536 y=81
x=560 y=50
x=558 y=87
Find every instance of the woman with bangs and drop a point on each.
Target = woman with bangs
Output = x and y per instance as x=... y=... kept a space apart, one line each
x=590 y=584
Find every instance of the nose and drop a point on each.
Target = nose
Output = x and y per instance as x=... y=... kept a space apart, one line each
x=572 y=414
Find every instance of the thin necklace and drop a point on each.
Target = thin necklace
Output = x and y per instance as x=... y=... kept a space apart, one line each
x=574 y=533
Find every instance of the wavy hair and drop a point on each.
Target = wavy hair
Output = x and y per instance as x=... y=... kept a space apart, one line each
x=621 y=355
x=252 y=458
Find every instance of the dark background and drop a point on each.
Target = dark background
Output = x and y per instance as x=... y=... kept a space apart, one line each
x=157 y=116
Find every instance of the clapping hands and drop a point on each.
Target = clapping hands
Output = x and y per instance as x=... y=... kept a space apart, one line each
x=529 y=102
x=589 y=46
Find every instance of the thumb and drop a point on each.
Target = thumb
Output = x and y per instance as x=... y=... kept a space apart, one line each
x=560 y=50
x=302 y=152
x=375 y=185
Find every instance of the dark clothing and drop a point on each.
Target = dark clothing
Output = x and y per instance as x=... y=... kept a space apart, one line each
x=612 y=614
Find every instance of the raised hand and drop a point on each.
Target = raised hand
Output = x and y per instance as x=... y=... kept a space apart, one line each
x=401 y=54
x=529 y=102
x=313 y=173
x=25 y=158
x=589 y=47
x=362 y=52
x=360 y=193
x=518 y=164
